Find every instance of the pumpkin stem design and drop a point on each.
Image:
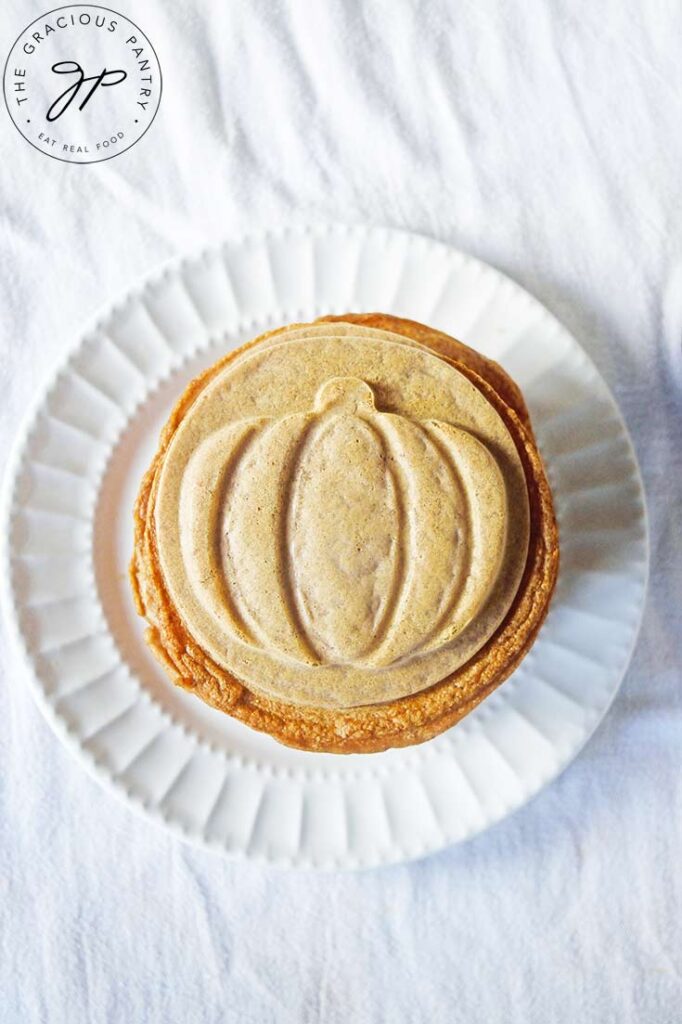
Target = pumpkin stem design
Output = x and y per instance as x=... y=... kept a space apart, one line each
x=351 y=394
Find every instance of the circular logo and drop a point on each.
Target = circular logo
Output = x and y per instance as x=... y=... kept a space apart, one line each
x=82 y=83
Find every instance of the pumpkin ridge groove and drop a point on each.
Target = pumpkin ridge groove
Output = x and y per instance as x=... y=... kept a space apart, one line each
x=465 y=566
x=217 y=537
x=382 y=632
x=287 y=575
x=263 y=640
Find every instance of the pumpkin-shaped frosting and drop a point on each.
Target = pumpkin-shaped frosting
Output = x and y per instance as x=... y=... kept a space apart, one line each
x=337 y=547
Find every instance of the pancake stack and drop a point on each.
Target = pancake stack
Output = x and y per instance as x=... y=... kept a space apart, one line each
x=346 y=537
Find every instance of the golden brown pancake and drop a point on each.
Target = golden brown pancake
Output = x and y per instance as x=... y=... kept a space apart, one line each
x=346 y=538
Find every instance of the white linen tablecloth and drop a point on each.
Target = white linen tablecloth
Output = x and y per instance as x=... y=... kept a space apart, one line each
x=545 y=138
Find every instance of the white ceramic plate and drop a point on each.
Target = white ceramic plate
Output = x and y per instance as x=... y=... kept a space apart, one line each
x=76 y=470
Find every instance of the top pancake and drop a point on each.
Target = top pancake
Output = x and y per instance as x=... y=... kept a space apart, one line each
x=341 y=517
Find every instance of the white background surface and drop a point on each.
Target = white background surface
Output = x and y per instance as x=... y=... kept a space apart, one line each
x=545 y=139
